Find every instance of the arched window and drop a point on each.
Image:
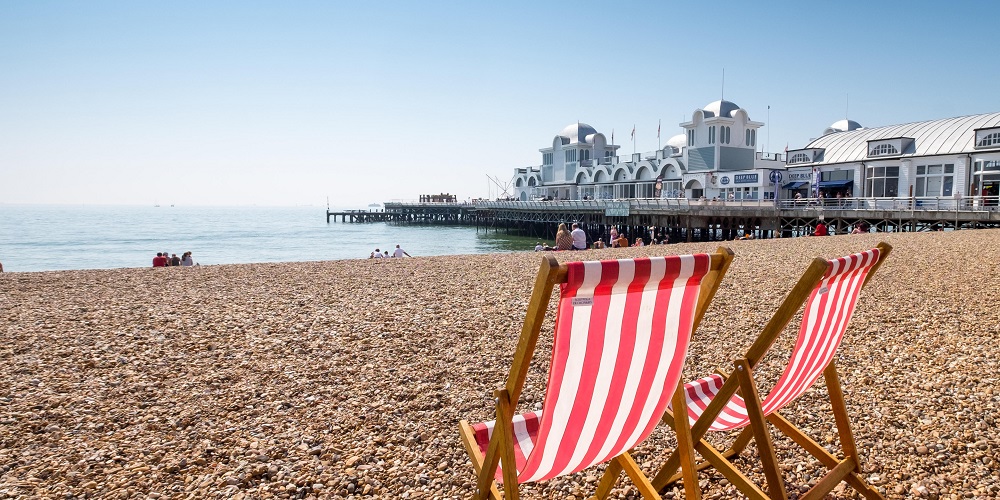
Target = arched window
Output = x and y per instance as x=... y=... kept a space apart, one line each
x=799 y=158
x=753 y=138
x=883 y=150
x=989 y=140
x=748 y=137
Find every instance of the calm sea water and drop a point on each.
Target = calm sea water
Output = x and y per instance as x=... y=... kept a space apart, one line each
x=46 y=238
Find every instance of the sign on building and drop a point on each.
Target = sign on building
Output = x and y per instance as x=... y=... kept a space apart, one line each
x=616 y=209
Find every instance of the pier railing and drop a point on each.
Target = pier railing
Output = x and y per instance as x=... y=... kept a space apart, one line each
x=969 y=204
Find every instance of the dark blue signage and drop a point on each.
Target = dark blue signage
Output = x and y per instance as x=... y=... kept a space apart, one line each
x=725 y=180
x=745 y=178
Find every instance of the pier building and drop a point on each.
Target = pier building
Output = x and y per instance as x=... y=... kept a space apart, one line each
x=936 y=162
x=715 y=156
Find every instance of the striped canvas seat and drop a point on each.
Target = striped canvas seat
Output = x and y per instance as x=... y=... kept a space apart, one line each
x=827 y=314
x=622 y=329
x=621 y=336
x=827 y=293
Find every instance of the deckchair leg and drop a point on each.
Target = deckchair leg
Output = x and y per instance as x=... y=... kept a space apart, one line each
x=469 y=440
x=685 y=445
x=505 y=414
x=608 y=480
x=840 y=415
x=639 y=479
x=765 y=448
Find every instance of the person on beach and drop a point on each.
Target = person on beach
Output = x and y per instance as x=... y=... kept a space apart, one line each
x=399 y=252
x=159 y=260
x=614 y=234
x=187 y=260
x=386 y=256
x=378 y=254
x=622 y=241
x=599 y=244
x=175 y=260
x=821 y=230
x=579 y=237
x=564 y=240
x=1 y=267
x=539 y=247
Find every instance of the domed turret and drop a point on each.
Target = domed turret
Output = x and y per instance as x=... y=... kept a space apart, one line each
x=720 y=108
x=678 y=141
x=578 y=132
x=842 y=126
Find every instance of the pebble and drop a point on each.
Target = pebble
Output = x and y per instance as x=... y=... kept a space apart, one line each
x=344 y=378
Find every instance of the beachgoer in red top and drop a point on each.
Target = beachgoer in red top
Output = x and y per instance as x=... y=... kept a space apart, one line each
x=159 y=260
x=821 y=230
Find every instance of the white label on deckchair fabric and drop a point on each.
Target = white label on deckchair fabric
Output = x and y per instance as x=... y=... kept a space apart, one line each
x=823 y=290
x=583 y=301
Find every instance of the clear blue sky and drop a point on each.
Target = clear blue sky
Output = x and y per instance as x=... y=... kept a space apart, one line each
x=288 y=103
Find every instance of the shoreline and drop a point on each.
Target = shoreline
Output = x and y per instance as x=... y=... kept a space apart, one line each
x=340 y=377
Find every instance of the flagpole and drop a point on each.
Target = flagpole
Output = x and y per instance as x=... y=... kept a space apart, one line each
x=659 y=123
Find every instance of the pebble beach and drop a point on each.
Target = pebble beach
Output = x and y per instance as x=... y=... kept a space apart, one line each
x=346 y=379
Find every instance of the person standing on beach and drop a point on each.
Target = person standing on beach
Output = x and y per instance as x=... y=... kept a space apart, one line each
x=399 y=252
x=579 y=237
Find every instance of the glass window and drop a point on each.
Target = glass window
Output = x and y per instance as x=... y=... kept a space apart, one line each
x=989 y=140
x=748 y=137
x=883 y=150
x=570 y=155
x=882 y=182
x=800 y=158
x=934 y=180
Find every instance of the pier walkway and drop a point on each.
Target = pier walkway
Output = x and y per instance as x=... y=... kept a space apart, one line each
x=687 y=220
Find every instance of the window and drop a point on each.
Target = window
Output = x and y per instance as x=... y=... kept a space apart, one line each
x=690 y=138
x=584 y=154
x=935 y=180
x=989 y=140
x=882 y=182
x=570 y=155
x=753 y=138
x=799 y=158
x=711 y=135
x=748 y=137
x=883 y=150
x=726 y=134
x=546 y=158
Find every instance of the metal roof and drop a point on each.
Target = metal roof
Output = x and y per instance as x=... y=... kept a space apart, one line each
x=935 y=137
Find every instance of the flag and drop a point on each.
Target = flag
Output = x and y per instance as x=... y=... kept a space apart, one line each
x=657 y=129
x=786 y=147
x=633 y=132
x=612 y=137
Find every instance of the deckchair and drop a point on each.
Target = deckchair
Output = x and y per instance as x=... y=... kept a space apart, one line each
x=721 y=402
x=621 y=334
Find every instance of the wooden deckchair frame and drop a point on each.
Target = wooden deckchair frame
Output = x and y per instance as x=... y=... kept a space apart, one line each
x=741 y=381
x=501 y=443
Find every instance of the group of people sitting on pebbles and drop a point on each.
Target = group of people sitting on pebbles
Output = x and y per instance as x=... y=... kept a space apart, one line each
x=398 y=252
x=577 y=240
x=164 y=259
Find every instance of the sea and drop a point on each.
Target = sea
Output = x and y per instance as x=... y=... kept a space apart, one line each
x=69 y=237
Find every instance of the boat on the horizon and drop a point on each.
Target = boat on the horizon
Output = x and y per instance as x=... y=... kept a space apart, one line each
x=375 y=205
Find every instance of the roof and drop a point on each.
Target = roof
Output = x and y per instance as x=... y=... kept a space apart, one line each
x=578 y=133
x=720 y=108
x=935 y=137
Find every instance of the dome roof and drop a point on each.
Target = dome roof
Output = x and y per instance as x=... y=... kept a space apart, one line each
x=842 y=126
x=720 y=108
x=578 y=132
x=678 y=141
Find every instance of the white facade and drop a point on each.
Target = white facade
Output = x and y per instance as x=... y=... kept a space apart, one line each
x=715 y=157
x=944 y=159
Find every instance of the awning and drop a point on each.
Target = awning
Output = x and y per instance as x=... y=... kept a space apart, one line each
x=794 y=185
x=834 y=184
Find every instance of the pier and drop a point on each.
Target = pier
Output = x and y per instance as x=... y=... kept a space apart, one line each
x=690 y=220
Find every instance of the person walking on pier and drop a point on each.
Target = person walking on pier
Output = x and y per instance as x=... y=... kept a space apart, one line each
x=579 y=237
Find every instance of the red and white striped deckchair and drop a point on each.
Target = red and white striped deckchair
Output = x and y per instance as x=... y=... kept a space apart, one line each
x=830 y=291
x=621 y=336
